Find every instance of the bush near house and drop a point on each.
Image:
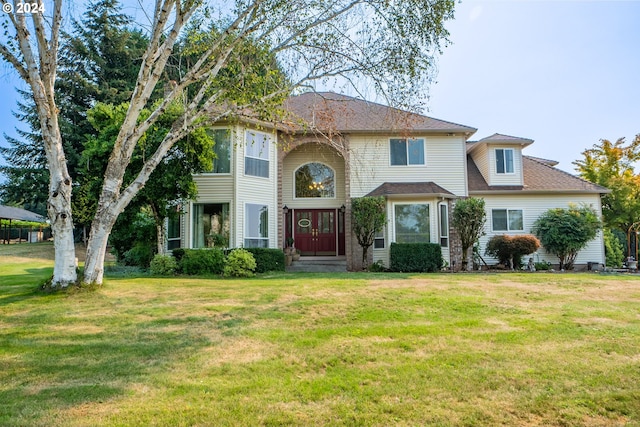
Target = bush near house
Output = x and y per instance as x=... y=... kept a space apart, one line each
x=240 y=263
x=163 y=265
x=267 y=259
x=509 y=250
x=202 y=261
x=415 y=257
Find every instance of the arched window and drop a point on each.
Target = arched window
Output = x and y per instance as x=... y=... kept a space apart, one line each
x=315 y=180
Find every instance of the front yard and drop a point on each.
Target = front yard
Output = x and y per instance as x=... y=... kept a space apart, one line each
x=321 y=349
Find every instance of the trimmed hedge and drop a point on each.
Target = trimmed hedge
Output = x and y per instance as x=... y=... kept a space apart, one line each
x=267 y=259
x=416 y=257
x=202 y=261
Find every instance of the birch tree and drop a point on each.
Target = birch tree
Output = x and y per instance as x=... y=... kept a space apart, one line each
x=387 y=45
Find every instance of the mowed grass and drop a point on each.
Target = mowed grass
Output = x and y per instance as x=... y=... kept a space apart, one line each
x=321 y=349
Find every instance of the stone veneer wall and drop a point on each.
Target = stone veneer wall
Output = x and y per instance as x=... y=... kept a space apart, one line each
x=455 y=245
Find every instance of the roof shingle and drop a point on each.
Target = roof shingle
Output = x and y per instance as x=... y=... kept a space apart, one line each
x=409 y=188
x=539 y=176
x=327 y=111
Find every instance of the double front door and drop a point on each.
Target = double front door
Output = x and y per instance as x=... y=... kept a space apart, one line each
x=316 y=231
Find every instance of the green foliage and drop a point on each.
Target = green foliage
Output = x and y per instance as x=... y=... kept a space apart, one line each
x=368 y=216
x=202 y=261
x=613 y=249
x=377 y=267
x=240 y=263
x=133 y=238
x=543 y=266
x=178 y=253
x=564 y=232
x=612 y=166
x=509 y=250
x=468 y=218
x=267 y=259
x=415 y=257
x=163 y=265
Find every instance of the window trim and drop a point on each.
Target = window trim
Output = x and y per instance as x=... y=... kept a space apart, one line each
x=231 y=151
x=246 y=235
x=268 y=151
x=508 y=229
x=406 y=141
x=190 y=243
x=504 y=159
x=442 y=236
x=393 y=225
x=335 y=186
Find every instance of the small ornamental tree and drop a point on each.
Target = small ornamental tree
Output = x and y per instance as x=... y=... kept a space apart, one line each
x=613 y=249
x=368 y=216
x=510 y=249
x=468 y=219
x=564 y=232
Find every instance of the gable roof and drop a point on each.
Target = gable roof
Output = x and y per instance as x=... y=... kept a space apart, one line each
x=499 y=139
x=9 y=212
x=409 y=189
x=539 y=177
x=328 y=111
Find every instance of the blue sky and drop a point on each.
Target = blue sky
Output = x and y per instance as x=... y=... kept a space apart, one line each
x=563 y=73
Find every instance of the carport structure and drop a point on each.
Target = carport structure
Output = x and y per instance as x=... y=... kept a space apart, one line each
x=10 y=213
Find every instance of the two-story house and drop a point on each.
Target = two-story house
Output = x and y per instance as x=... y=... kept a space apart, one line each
x=270 y=187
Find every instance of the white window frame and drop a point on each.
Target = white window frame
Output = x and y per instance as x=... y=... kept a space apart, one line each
x=504 y=160
x=335 y=186
x=247 y=228
x=230 y=131
x=443 y=231
x=263 y=155
x=508 y=211
x=406 y=144
x=393 y=209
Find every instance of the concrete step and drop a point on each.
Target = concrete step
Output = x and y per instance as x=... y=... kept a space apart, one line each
x=318 y=265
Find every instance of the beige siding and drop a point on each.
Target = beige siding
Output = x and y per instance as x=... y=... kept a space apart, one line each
x=514 y=178
x=444 y=157
x=532 y=207
x=306 y=154
x=480 y=157
x=255 y=190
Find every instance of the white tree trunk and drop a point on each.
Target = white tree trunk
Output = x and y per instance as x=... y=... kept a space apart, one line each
x=470 y=259
x=97 y=248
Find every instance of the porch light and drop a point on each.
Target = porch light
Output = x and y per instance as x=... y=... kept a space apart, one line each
x=285 y=209
x=343 y=209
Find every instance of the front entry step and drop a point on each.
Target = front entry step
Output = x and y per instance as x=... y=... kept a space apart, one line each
x=319 y=265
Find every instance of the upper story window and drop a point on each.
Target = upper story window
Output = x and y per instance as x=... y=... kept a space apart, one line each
x=222 y=149
x=507 y=220
x=504 y=160
x=405 y=151
x=315 y=180
x=256 y=156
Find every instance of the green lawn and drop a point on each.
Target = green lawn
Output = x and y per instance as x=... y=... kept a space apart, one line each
x=341 y=349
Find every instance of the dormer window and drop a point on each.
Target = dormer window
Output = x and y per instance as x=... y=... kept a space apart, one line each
x=504 y=160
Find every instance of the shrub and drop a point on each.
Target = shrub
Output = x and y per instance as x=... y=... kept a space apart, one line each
x=509 y=250
x=267 y=259
x=613 y=249
x=240 y=263
x=564 y=232
x=163 y=265
x=377 y=267
x=543 y=266
x=178 y=253
x=202 y=261
x=139 y=255
x=416 y=257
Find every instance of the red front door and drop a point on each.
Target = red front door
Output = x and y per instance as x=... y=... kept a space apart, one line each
x=315 y=231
